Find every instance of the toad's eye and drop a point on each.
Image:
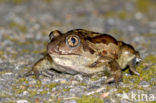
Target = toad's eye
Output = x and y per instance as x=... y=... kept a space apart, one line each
x=73 y=41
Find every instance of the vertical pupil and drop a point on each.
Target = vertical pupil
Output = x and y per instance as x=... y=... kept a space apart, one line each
x=73 y=40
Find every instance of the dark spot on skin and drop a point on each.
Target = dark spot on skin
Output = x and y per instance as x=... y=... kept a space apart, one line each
x=82 y=33
x=104 y=52
x=104 y=38
x=113 y=65
x=91 y=51
x=115 y=55
x=87 y=48
x=127 y=47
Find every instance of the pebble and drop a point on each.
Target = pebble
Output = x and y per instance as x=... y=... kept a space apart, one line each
x=78 y=77
x=22 y=101
x=144 y=84
x=74 y=82
x=63 y=81
x=138 y=15
x=70 y=101
x=46 y=81
x=25 y=93
x=8 y=73
x=125 y=101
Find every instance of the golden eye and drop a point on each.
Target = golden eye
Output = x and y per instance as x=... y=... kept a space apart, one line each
x=72 y=41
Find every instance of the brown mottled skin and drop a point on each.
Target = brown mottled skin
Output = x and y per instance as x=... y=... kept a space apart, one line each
x=86 y=52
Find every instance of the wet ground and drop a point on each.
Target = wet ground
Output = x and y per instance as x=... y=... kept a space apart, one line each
x=24 y=29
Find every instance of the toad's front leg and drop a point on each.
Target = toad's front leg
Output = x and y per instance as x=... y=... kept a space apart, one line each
x=41 y=67
x=116 y=74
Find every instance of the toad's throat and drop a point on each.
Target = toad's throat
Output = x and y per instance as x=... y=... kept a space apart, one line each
x=74 y=68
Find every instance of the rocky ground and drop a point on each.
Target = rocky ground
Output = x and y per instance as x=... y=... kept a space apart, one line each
x=24 y=29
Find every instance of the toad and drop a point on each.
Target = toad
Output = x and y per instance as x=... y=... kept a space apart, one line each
x=86 y=52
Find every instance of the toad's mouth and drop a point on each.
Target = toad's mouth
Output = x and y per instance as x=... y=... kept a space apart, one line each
x=55 y=52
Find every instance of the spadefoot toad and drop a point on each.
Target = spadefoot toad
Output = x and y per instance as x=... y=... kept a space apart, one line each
x=86 y=52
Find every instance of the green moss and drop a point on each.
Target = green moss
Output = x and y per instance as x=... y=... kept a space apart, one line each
x=66 y=89
x=21 y=80
x=36 y=52
x=18 y=1
x=89 y=99
x=51 y=85
x=48 y=1
x=144 y=5
x=80 y=0
x=18 y=89
x=3 y=72
x=10 y=102
x=150 y=58
x=44 y=92
x=125 y=89
x=38 y=84
x=22 y=28
x=123 y=15
x=1 y=1
x=1 y=52
x=119 y=14
x=26 y=68
x=99 y=75
x=83 y=84
x=11 y=39
x=148 y=35
x=94 y=78
x=16 y=41
x=58 y=101
x=45 y=43
x=25 y=51
x=145 y=75
x=32 y=92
